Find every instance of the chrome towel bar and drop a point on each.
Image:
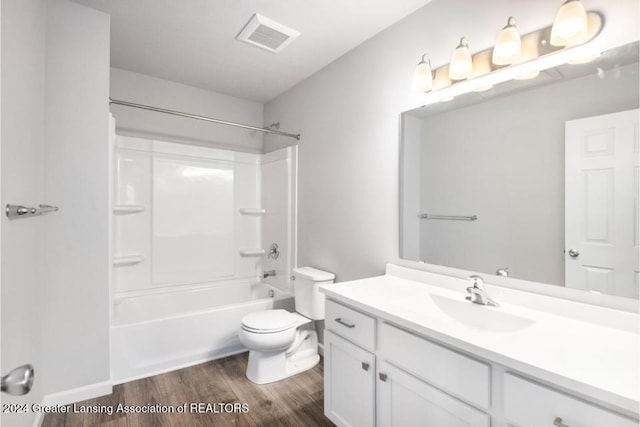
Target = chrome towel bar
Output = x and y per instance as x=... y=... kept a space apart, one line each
x=449 y=217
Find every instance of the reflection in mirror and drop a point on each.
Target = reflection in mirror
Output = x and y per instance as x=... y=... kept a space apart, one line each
x=549 y=166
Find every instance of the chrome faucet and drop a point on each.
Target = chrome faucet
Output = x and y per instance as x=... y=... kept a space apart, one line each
x=478 y=294
x=270 y=273
x=504 y=272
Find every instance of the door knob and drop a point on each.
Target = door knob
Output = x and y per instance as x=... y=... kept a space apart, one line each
x=574 y=253
x=18 y=381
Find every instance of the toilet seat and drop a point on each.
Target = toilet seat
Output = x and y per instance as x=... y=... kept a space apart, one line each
x=269 y=321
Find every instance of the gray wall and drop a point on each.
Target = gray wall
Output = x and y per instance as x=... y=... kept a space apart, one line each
x=143 y=89
x=503 y=160
x=77 y=152
x=348 y=115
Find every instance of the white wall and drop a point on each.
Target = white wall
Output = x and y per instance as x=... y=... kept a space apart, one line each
x=348 y=115
x=143 y=89
x=23 y=46
x=506 y=165
x=76 y=293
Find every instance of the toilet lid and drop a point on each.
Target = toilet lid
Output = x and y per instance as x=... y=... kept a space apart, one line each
x=268 y=321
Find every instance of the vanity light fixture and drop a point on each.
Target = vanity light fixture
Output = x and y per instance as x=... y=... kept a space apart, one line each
x=570 y=27
x=441 y=79
x=529 y=51
x=508 y=47
x=423 y=76
x=481 y=66
x=524 y=57
x=461 y=65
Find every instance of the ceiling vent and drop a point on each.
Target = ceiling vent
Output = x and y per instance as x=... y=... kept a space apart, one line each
x=267 y=34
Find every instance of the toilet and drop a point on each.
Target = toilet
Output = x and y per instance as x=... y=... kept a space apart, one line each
x=281 y=343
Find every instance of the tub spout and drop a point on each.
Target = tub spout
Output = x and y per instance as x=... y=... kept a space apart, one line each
x=270 y=273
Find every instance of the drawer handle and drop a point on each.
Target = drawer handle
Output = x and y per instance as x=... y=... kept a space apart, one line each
x=383 y=377
x=558 y=422
x=343 y=323
x=365 y=366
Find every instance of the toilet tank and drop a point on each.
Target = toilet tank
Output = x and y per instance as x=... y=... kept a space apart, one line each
x=309 y=300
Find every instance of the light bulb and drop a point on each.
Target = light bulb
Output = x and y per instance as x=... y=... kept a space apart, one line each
x=508 y=46
x=570 y=25
x=461 y=65
x=423 y=76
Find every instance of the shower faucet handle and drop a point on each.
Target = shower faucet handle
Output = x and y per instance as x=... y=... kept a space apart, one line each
x=274 y=251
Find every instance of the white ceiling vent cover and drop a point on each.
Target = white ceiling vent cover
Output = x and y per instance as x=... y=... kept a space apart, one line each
x=267 y=34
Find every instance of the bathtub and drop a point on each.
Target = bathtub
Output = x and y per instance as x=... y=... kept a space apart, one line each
x=169 y=330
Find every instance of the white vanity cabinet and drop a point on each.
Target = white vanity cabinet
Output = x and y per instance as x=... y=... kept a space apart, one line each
x=349 y=382
x=363 y=387
x=380 y=374
x=546 y=406
x=350 y=368
x=404 y=400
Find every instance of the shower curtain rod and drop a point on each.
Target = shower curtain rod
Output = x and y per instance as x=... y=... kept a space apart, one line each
x=206 y=119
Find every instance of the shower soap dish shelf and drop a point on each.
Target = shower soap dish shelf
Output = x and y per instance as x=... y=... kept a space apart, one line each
x=252 y=252
x=253 y=211
x=124 y=260
x=127 y=209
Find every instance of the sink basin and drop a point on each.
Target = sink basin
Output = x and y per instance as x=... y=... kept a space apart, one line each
x=480 y=317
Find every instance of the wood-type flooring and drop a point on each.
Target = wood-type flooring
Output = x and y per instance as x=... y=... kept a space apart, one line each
x=296 y=401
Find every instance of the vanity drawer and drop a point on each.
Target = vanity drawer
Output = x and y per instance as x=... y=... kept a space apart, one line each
x=446 y=369
x=350 y=324
x=529 y=404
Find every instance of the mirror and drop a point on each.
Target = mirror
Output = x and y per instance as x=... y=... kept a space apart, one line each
x=535 y=179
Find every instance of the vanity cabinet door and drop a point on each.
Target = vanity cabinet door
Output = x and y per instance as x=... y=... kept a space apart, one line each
x=349 y=383
x=553 y=408
x=405 y=401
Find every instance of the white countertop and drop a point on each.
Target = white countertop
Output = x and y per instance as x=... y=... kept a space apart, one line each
x=598 y=362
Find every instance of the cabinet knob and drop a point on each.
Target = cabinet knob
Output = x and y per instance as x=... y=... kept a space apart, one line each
x=383 y=377
x=365 y=366
x=558 y=422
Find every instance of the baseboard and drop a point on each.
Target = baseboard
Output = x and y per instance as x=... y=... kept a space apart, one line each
x=321 y=349
x=176 y=367
x=77 y=394
x=37 y=422
x=74 y=395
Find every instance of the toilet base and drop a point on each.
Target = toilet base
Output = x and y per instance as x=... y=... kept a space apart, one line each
x=270 y=366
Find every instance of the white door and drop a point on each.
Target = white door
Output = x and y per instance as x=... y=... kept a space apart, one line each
x=601 y=204
x=349 y=394
x=21 y=182
x=405 y=401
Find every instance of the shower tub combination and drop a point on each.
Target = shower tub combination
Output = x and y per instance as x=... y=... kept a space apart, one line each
x=157 y=333
x=192 y=227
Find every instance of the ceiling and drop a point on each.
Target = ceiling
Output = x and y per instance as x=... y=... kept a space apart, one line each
x=193 y=41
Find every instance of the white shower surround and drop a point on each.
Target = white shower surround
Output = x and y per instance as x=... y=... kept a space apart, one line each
x=182 y=280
